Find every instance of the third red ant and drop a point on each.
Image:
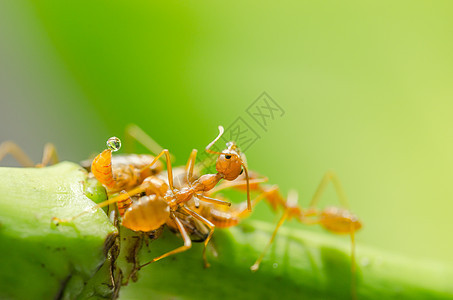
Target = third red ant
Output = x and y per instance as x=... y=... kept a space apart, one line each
x=338 y=220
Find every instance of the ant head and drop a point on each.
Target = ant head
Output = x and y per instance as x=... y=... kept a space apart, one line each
x=229 y=163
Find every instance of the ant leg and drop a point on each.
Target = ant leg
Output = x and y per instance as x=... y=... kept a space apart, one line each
x=119 y=198
x=352 y=249
x=190 y=164
x=239 y=211
x=213 y=200
x=169 y=169
x=134 y=132
x=49 y=154
x=272 y=194
x=9 y=147
x=185 y=236
x=249 y=203
x=323 y=221
x=329 y=176
x=353 y=267
x=256 y=265
x=211 y=231
x=291 y=202
x=243 y=210
x=123 y=204
x=238 y=183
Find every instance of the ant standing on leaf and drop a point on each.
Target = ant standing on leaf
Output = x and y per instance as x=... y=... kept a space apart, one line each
x=159 y=202
x=338 y=220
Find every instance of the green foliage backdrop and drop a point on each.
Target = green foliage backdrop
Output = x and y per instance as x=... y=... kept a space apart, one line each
x=366 y=88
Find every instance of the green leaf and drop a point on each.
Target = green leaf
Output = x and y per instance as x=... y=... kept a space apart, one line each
x=300 y=265
x=38 y=260
x=41 y=261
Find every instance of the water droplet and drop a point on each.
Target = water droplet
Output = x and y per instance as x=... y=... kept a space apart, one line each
x=275 y=265
x=114 y=143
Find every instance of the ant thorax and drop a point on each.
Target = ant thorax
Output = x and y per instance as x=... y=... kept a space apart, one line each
x=179 y=196
x=206 y=182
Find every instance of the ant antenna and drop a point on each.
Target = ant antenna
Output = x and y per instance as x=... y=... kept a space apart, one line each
x=221 y=131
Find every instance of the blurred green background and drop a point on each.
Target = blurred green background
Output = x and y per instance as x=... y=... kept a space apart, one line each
x=366 y=88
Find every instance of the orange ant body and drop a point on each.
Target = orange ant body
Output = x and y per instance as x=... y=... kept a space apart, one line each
x=334 y=219
x=337 y=220
x=122 y=172
x=222 y=216
x=161 y=200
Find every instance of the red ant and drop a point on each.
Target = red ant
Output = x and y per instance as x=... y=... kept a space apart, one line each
x=334 y=219
x=161 y=200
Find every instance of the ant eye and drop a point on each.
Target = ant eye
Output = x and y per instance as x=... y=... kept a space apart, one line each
x=227 y=156
x=242 y=171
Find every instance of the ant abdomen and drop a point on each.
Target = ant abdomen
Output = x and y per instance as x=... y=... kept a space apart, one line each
x=339 y=220
x=101 y=168
x=155 y=185
x=220 y=216
x=146 y=214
